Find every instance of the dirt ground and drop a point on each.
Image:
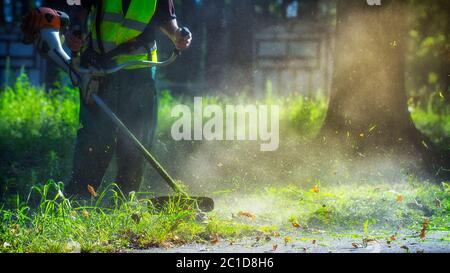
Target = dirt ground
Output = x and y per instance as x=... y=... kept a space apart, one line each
x=435 y=242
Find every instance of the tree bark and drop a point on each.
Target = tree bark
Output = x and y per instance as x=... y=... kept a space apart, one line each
x=368 y=106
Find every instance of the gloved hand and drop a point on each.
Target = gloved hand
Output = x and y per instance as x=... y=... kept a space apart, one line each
x=183 y=38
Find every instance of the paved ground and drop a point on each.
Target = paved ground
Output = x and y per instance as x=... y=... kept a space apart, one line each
x=435 y=242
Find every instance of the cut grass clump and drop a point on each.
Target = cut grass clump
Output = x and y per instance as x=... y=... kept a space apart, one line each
x=347 y=207
x=58 y=224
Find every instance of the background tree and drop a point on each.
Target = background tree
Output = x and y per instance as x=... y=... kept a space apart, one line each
x=368 y=105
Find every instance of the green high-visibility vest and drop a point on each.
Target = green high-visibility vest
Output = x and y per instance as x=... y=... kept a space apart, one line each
x=117 y=28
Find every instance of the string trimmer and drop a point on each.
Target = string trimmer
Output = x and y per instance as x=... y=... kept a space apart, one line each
x=41 y=27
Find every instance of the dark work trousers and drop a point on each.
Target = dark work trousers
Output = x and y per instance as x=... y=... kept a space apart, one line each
x=131 y=94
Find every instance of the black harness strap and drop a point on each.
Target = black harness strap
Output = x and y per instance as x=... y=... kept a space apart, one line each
x=98 y=22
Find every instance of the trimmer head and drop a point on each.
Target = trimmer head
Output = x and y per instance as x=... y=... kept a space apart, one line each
x=204 y=204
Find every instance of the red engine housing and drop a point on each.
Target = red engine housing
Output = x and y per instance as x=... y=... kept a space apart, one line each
x=40 y=18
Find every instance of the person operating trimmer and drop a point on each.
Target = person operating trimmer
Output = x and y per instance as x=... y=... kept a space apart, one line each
x=119 y=31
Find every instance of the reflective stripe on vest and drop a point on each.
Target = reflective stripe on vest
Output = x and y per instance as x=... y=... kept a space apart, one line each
x=117 y=29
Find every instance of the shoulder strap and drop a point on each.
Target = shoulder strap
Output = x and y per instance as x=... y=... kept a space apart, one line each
x=98 y=22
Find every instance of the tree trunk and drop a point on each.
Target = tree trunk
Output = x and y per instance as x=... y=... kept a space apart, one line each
x=368 y=105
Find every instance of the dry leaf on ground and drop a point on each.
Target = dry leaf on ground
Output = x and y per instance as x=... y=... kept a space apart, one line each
x=287 y=240
x=92 y=191
x=423 y=232
x=316 y=189
x=216 y=239
x=247 y=214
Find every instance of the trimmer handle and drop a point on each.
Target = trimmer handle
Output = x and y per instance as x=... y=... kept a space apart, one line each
x=185 y=32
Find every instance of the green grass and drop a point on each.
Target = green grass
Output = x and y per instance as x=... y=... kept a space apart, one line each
x=433 y=118
x=347 y=207
x=57 y=224
x=37 y=130
x=61 y=225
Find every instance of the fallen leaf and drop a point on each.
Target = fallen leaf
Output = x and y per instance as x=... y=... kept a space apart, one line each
x=394 y=44
x=215 y=240
x=85 y=213
x=314 y=242
x=91 y=191
x=287 y=240
x=316 y=189
x=166 y=245
x=247 y=214
x=220 y=164
x=423 y=232
x=274 y=247
x=369 y=240
x=392 y=238
x=400 y=198
x=295 y=223
x=355 y=245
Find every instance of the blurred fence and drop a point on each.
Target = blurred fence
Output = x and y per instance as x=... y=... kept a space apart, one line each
x=294 y=57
